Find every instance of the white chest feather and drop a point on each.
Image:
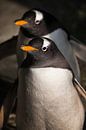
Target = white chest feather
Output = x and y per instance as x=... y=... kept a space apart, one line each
x=52 y=81
x=51 y=102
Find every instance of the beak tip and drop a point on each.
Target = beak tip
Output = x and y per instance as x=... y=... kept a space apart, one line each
x=22 y=48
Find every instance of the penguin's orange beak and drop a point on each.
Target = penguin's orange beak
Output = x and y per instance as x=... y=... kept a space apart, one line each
x=28 y=48
x=21 y=22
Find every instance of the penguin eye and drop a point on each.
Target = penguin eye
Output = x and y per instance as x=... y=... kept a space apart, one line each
x=37 y=21
x=44 y=49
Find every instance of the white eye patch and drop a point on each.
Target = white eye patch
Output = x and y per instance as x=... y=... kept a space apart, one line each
x=39 y=16
x=46 y=44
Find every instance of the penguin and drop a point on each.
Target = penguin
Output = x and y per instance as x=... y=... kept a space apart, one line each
x=37 y=22
x=47 y=97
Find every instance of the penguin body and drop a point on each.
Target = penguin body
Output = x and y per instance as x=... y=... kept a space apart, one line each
x=47 y=98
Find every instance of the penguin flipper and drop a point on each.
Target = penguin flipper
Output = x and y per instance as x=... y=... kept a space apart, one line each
x=81 y=91
x=8 y=68
x=9 y=102
x=8 y=47
x=79 y=48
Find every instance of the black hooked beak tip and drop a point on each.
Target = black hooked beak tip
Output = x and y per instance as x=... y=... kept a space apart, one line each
x=20 y=22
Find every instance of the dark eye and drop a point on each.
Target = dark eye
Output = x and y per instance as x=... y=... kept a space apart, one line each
x=44 y=48
x=37 y=22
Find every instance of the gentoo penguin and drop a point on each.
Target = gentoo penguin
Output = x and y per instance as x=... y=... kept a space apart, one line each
x=37 y=22
x=47 y=98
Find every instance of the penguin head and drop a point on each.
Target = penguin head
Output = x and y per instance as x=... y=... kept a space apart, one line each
x=37 y=22
x=42 y=52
